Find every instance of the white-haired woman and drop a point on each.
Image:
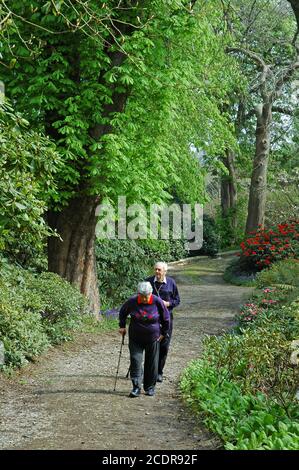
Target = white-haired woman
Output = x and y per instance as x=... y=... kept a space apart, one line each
x=149 y=324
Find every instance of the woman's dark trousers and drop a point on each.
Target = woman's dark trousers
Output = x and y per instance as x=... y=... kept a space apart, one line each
x=151 y=351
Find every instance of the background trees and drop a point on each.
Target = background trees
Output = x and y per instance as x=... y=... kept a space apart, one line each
x=266 y=44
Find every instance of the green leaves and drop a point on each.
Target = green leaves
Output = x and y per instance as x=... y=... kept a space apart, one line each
x=35 y=311
x=27 y=168
x=243 y=421
x=166 y=71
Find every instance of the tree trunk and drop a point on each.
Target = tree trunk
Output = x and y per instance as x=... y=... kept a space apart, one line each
x=258 y=185
x=295 y=6
x=228 y=185
x=229 y=191
x=73 y=257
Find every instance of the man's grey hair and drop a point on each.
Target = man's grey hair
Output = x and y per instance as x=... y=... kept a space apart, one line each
x=144 y=288
x=162 y=265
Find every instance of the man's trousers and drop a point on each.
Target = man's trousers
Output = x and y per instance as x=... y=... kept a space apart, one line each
x=164 y=347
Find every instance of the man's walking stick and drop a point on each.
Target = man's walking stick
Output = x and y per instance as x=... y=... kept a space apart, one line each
x=121 y=346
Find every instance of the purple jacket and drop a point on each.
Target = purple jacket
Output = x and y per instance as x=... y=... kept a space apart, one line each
x=148 y=321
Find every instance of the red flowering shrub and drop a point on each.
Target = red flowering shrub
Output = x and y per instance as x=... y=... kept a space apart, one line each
x=264 y=247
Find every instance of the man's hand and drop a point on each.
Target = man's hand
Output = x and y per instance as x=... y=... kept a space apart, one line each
x=160 y=338
x=122 y=331
x=167 y=304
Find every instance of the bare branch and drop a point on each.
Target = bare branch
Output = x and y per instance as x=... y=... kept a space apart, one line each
x=253 y=55
x=284 y=78
x=266 y=69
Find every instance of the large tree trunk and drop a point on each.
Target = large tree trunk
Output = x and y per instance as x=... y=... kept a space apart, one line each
x=73 y=257
x=258 y=185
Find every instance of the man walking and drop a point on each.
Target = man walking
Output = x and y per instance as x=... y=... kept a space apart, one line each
x=165 y=288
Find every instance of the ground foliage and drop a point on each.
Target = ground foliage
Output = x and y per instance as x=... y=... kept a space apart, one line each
x=244 y=386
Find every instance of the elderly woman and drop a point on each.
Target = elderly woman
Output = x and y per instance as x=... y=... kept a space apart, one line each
x=149 y=324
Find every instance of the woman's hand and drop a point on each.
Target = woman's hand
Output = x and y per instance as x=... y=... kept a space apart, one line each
x=167 y=304
x=122 y=331
x=160 y=338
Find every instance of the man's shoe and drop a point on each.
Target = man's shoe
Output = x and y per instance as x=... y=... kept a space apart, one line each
x=135 y=392
x=160 y=378
x=150 y=392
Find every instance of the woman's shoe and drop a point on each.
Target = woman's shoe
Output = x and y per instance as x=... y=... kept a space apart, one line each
x=150 y=392
x=135 y=392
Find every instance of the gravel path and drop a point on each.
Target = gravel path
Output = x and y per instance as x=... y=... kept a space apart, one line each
x=66 y=400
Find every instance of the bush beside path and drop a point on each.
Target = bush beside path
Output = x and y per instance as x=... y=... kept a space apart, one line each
x=66 y=399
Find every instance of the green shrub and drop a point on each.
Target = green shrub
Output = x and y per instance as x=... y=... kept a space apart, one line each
x=243 y=421
x=258 y=360
x=211 y=239
x=21 y=331
x=231 y=228
x=28 y=164
x=60 y=305
x=121 y=264
x=91 y=325
x=285 y=272
x=35 y=311
x=59 y=299
x=163 y=250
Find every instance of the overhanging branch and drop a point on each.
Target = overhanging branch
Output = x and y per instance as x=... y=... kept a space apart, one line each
x=253 y=55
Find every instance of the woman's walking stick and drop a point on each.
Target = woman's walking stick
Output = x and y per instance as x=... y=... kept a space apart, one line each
x=121 y=346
